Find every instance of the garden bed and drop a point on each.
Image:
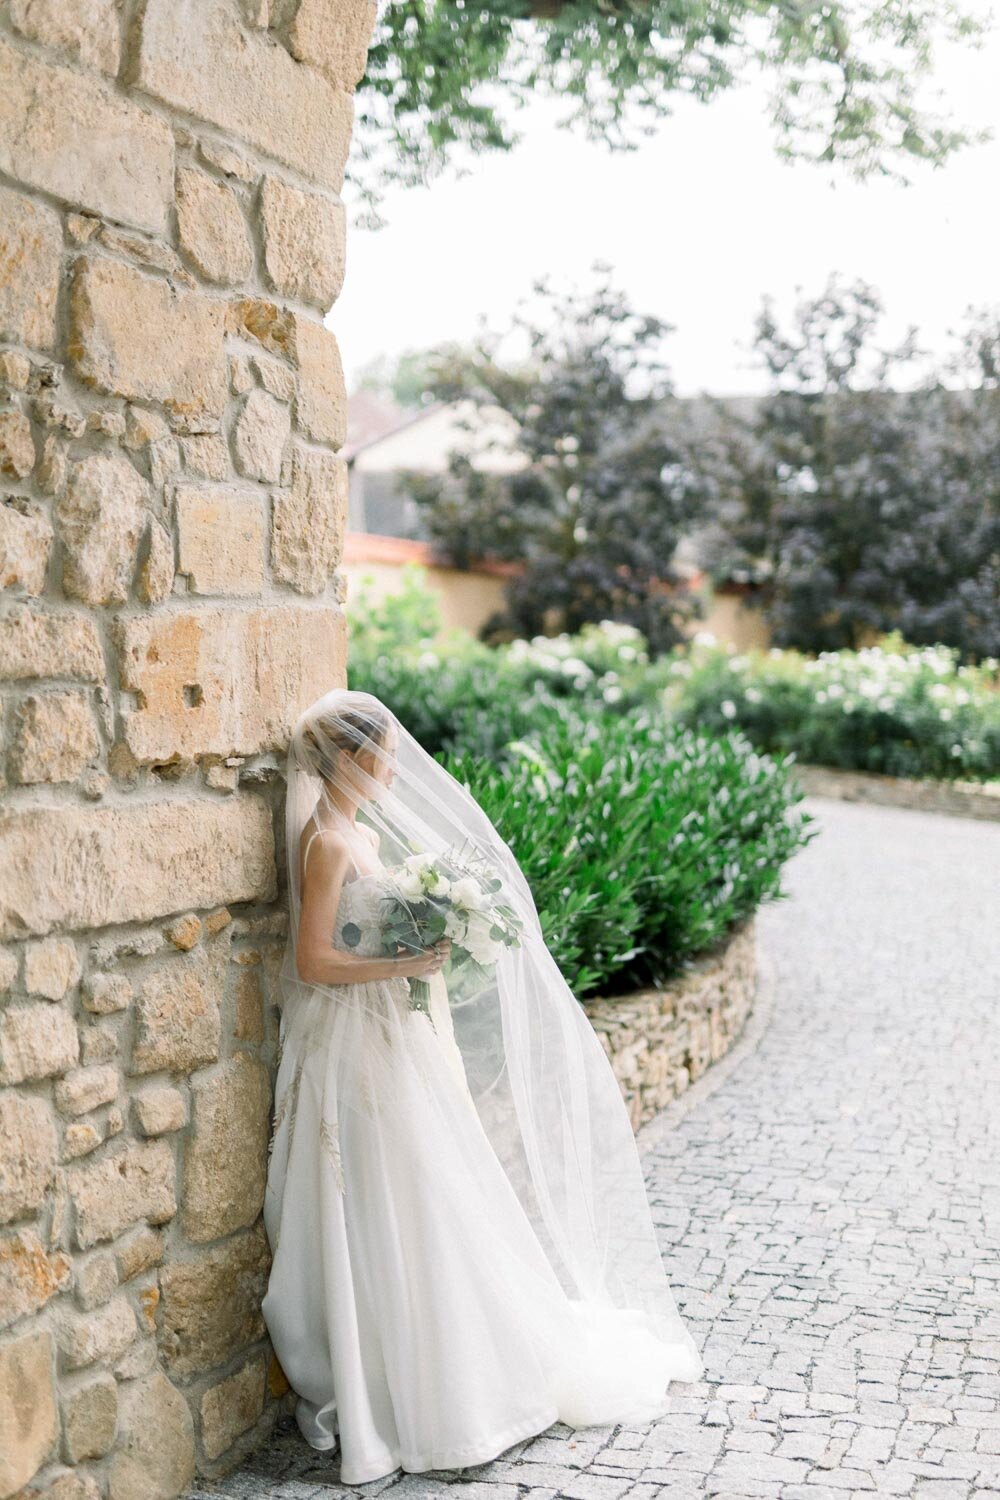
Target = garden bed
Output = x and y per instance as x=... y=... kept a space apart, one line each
x=659 y=1041
x=961 y=799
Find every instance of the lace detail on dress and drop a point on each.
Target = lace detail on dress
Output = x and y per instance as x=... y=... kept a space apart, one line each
x=329 y=1135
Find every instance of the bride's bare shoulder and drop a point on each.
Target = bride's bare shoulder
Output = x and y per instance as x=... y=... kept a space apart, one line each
x=331 y=841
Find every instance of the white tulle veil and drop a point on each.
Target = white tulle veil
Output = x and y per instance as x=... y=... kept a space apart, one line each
x=541 y=1083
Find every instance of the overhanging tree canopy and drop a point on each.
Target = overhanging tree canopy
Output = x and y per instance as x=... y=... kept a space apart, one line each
x=845 y=76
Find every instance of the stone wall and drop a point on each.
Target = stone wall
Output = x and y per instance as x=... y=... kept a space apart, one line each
x=173 y=506
x=660 y=1040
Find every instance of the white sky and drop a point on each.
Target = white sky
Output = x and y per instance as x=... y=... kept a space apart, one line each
x=698 y=224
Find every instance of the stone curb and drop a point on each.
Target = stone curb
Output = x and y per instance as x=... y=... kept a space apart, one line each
x=650 y=1135
x=961 y=799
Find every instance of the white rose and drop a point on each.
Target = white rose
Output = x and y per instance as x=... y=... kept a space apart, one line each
x=418 y=862
x=454 y=925
x=409 y=885
x=466 y=892
x=482 y=947
x=439 y=884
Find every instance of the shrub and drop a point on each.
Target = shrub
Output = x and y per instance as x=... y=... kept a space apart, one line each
x=642 y=843
x=891 y=708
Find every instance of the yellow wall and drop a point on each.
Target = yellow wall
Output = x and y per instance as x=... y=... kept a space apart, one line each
x=464 y=599
x=467 y=599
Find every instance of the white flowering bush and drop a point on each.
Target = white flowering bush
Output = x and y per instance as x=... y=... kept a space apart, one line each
x=890 y=708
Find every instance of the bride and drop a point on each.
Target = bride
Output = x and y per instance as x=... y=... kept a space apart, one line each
x=463 y=1252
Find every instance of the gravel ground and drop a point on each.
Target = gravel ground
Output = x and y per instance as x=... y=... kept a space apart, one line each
x=829 y=1210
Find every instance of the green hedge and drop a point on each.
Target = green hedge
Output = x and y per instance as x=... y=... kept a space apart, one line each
x=642 y=844
x=642 y=841
x=893 y=709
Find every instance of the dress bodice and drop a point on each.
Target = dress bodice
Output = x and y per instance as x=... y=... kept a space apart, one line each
x=359 y=903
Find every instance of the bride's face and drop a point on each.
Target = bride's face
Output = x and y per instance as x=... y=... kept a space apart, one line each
x=381 y=766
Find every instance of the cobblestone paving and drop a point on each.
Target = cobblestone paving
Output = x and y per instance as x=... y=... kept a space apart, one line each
x=830 y=1216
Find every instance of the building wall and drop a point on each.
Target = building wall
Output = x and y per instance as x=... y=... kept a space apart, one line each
x=466 y=598
x=172 y=512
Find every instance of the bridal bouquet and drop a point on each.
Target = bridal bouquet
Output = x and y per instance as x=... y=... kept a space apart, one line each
x=455 y=895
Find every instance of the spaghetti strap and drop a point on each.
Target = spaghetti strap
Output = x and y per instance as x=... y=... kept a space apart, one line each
x=305 y=856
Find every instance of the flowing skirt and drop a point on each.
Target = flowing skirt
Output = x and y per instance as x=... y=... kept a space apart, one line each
x=410 y=1303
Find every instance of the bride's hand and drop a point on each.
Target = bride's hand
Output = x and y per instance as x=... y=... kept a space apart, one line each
x=430 y=960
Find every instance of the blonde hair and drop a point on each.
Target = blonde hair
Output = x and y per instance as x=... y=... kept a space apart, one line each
x=343 y=730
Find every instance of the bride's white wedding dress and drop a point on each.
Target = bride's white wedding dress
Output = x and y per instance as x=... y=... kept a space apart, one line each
x=410 y=1301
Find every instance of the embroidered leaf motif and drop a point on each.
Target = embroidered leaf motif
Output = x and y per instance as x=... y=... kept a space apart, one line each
x=331 y=1144
x=289 y=1098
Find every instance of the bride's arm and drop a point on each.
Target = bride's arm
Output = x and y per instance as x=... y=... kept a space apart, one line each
x=317 y=960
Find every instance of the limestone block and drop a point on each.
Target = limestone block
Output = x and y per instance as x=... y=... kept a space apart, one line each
x=112 y=1192
x=154 y=1459
x=30 y=254
x=321 y=409
x=211 y=1304
x=159 y=1111
x=15 y=369
x=17 y=446
x=247 y=85
x=100 y=520
x=304 y=238
x=249 y=1002
x=88 y=29
x=177 y=1014
x=29 y=1420
x=90 y=1418
x=225 y=1160
x=55 y=739
x=25 y=545
x=43 y=643
x=72 y=135
x=143 y=427
x=77 y=866
x=96 y=1280
x=231 y=1407
x=70 y=1484
x=147 y=251
x=85 y=1338
x=261 y=436
x=86 y=1088
x=185 y=932
x=9 y=966
x=308 y=521
x=51 y=968
x=155 y=578
x=105 y=993
x=276 y=378
x=334 y=37
x=221 y=538
x=212 y=229
x=138 y=1251
x=97 y=1045
x=80 y=1138
x=29 y=1275
x=28 y=1132
x=269 y=325
x=36 y=1041
x=206 y=455
x=225 y=682
x=131 y=335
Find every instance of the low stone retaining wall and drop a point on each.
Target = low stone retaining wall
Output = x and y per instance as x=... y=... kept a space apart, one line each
x=962 y=799
x=660 y=1040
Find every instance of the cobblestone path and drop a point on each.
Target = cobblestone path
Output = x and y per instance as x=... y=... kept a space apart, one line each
x=830 y=1214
